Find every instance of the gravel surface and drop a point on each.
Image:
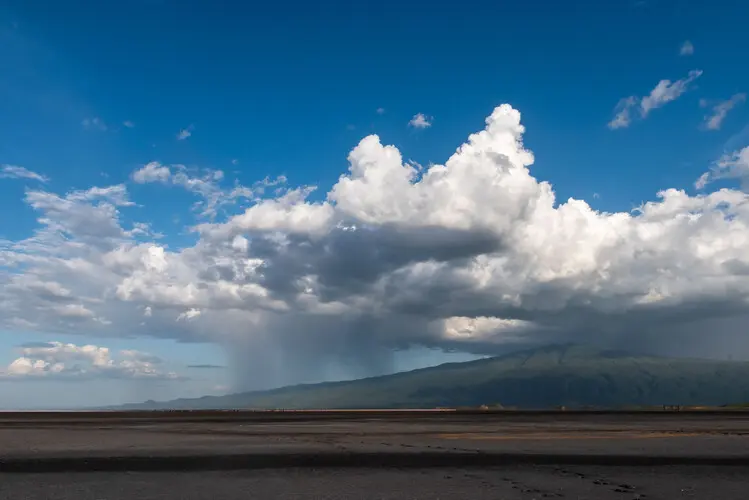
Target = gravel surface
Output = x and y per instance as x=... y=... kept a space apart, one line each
x=375 y=456
x=509 y=483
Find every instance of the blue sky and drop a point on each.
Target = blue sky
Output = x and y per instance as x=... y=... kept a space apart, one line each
x=93 y=91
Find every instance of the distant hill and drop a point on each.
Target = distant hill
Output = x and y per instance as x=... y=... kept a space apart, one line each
x=569 y=375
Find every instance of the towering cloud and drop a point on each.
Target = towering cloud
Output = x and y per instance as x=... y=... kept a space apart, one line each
x=475 y=254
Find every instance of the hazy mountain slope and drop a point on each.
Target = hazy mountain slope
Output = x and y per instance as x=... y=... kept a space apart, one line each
x=539 y=378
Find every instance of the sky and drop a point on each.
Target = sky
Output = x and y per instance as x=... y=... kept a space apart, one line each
x=209 y=197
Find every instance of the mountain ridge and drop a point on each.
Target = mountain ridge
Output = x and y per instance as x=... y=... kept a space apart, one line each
x=557 y=375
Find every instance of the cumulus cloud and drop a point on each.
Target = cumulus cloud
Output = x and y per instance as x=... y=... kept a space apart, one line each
x=686 y=49
x=380 y=111
x=16 y=172
x=664 y=92
x=475 y=254
x=91 y=216
x=46 y=360
x=720 y=110
x=420 y=120
x=152 y=172
x=128 y=124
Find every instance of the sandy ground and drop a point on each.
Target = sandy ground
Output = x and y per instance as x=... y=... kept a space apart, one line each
x=369 y=455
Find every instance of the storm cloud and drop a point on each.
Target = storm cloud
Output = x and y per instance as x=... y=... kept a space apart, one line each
x=474 y=255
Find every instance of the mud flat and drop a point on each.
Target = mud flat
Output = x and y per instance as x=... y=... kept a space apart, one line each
x=375 y=454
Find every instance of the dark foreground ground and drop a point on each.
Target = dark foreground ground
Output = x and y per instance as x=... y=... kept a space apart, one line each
x=374 y=455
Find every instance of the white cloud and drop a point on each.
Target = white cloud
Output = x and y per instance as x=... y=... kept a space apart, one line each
x=472 y=255
x=185 y=133
x=720 y=110
x=686 y=49
x=420 y=120
x=78 y=213
x=16 y=172
x=478 y=328
x=380 y=111
x=623 y=117
x=152 y=172
x=58 y=360
x=730 y=166
x=116 y=195
x=94 y=123
x=664 y=92
x=287 y=213
x=191 y=313
x=128 y=124
x=143 y=229
x=667 y=91
x=207 y=186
